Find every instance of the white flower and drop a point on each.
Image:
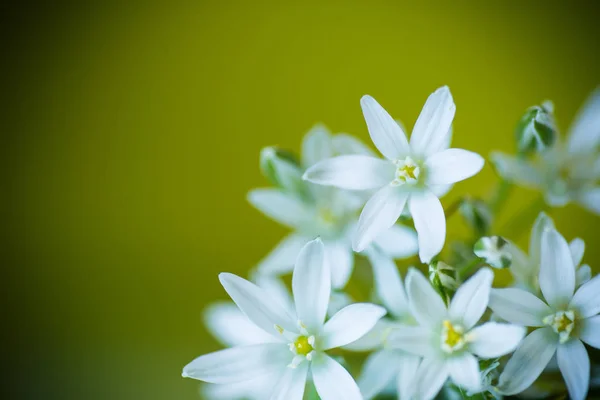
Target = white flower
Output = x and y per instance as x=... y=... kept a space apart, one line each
x=447 y=337
x=300 y=340
x=331 y=214
x=566 y=318
x=494 y=251
x=570 y=170
x=411 y=173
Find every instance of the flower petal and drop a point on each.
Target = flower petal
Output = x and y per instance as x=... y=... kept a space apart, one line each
x=587 y=299
x=350 y=324
x=464 y=371
x=388 y=284
x=381 y=212
x=257 y=388
x=239 y=363
x=282 y=258
x=590 y=331
x=344 y=143
x=398 y=242
x=542 y=222
x=518 y=306
x=583 y=274
x=340 y=257
x=430 y=377
x=231 y=327
x=590 y=199
x=577 y=248
x=574 y=364
x=451 y=166
x=332 y=381
x=291 y=384
x=557 y=272
x=471 y=298
x=416 y=340
x=430 y=223
x=516 y=170
x=258 y=306
x=276 y=289
x=316 y=146
x=432 y=128
x=375 y=338
x=355 y=172
x=311 y=284
x=379 y=370
x=385 y=133
x=427 y=306
x=528 y=361
x=494 y=339
x=408 y=365
x=584 y=134
x=281 y=207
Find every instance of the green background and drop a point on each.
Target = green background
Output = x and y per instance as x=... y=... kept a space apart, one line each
x=131 y=135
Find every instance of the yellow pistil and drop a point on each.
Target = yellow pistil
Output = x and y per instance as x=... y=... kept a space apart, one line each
x=563 y=323
x=452 y=337
x=302 y=345
x=409 y=170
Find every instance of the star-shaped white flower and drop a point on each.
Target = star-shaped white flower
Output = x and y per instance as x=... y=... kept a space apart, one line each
x=301 y=340
x=447 y=337
x=411 y=173
x=329 y=213
x=566 y=318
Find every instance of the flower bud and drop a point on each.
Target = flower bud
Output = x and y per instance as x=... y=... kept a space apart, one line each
x=443 y=278
x=282 y=169
x=494 y=251
x=536 y=130
x=477 y=214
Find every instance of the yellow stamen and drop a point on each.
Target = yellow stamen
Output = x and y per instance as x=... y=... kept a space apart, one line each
x=302 y=345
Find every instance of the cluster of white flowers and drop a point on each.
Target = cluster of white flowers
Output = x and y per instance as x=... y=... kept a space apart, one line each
x=448 y=334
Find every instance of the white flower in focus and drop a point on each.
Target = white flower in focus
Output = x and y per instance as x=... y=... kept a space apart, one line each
x=447 y=337
x=494 y=251
x=411 y=173
x=329 y=213
x=300 y=340
x=567 y=172
x=566 y=318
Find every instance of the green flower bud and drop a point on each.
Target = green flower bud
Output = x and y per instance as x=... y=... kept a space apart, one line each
x=282 y=169
x=494 y=251
x=536 y=130
x=443 y=278
x=477 y=214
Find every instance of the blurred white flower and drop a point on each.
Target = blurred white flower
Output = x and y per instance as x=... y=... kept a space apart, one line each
x=411 y=173
x=300 y=338
x=494 y=251
x=566 y=318
x=329 y=213
x=567 y=172
x=447 y=338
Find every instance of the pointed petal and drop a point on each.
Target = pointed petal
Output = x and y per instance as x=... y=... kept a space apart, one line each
x=281 y=207
x=518 y=306
x=584 y=134
x=464 y=371
x=340 y=257
x=277 y=290
x=430 y=223
x=574 y=364
x=350 y=324
x=375 y=338
x=239 y=363
x=590 y=331
x=316 y=146
x=379 y=370
x=440 y=190
x=583 y=274
x=388 y=284
x=587 y=299
x=408 y=365
x=577 y=247
x=493 y=339
x=354 y=172
x=256 y=388
x=451 y=166
x=258 y=306
x=528 y=361
x=231 y=327
x=344 y=143
x=431 y=130
x=430 y=378
x=398 y=242
x=416 y=340
x=557 y=272
x=282 y=258
x=379 y=214
x=590 y=199
x=386 y=134
x=471 y=298
x=542 y=222
x=291 y=384
x=516 y=170
x=311 y=284
x=332 y=381
x=427 y=306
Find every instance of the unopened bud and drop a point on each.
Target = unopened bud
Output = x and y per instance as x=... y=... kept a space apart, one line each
x=536 y=130
x=282 y=169
x=477 y=214
x=494 y=251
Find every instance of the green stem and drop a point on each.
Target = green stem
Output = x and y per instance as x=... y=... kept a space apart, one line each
x=452 y=208
x=500 y=195
x=520 y=223
x=468 y=267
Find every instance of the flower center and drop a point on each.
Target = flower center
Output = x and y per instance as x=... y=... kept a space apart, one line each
x=562 y=322
x=327 y=216
x=407 y=171
x=452 y=337
x=304 y=345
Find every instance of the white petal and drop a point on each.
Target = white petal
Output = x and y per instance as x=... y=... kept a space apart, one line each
x=291 y=384
x=388 y=284
x=355 y=172
x=494 y=339
x=577 y=247
x=398 y=242
x=277 y=290
x=431 y=130
x=516 y=170
x=332 y=381
x=282 y=258
x=316 y=146
x=451 y=166
x=557 y=272
x=378 y=371
x=584 y=134
x=344 y=143
x=416 y=340
x=337 y=301
x=350 y=324
x=340 y=257
x=239 y=363
x=521 y=267
x=471 y=298
x=253 y=389
x=258 y=306
x=408 y=366
x=518 y=306
x=381 y=212
x=464 y=371
x=427 y=306
x=281 y=207
x=430 y=377
x=590 y=331
x=574 y=364
x=375 y=338
x=386 y=134
x=590 y=199
x=528 y=361
x=583 y=274
x=430 y=223
x=542 y=222
x=311 y=284
x=231 y=327
x=587 y=299
x=440 y=190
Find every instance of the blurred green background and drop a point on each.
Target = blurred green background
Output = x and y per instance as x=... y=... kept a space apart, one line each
x=131 y=135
